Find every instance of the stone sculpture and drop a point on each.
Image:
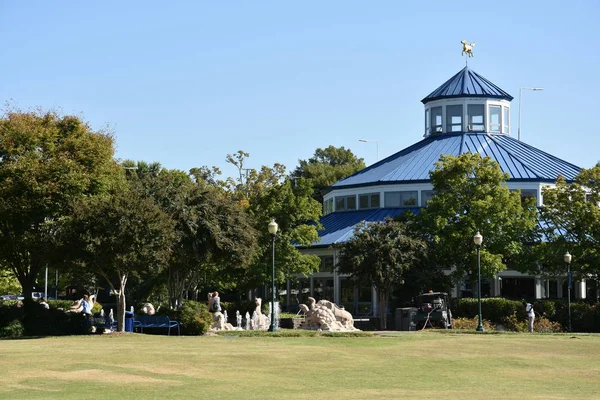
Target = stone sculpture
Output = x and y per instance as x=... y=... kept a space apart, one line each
x=148 y=309
x=260 y=321
x=467 y=48
x=326 y=316
x=219 y=321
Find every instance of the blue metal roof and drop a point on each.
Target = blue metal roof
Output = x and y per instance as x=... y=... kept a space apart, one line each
x=412 y=165
x=339 y=226
x=467 y=83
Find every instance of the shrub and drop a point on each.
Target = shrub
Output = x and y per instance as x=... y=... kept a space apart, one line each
x=193 y=317
x=13 y=329
x=495 y=308
x=471 y=324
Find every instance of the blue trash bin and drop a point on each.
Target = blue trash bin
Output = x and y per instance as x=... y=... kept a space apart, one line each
x=128 y=321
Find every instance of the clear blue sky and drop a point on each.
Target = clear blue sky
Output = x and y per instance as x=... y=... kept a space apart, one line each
x=186 y=82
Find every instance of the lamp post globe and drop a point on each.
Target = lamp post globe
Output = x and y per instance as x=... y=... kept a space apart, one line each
x=567 y=258
x=273 y=228
x=478 y=240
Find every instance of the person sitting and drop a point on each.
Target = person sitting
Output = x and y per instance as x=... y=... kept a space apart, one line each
x=44 y=303
x=86 y=311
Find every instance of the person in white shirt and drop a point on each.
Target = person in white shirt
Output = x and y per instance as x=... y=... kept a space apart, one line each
x=530 y=315
x=87 y=312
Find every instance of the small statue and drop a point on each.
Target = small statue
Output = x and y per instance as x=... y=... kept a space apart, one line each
x=467 y=48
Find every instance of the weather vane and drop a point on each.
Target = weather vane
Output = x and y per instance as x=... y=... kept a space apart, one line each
x=467 y=49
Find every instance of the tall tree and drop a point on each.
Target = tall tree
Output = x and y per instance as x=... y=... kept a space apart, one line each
x=215 y=238
x=470 y=196
x=267 y=194
x=47 y=162
x=571 y=218
x=379 y=254
x=326 y=167
x=118 y=236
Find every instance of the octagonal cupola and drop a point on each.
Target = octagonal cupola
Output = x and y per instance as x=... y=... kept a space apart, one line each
x=467 y=102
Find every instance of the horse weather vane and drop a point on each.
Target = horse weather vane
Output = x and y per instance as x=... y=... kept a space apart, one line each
x=467 y=49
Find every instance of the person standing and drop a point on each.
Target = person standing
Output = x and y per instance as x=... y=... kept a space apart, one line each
x=86 y=311
x=530 y=316
x=215 y=303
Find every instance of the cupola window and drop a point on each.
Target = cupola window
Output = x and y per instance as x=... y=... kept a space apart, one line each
x=505 y=121
x=370 y=200
x=454 y=118
x=476 y=119
x=436 y=120
x=495 y=123
x=345 y=203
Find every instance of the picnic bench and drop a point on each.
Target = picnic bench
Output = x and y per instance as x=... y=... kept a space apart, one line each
x=155 y=321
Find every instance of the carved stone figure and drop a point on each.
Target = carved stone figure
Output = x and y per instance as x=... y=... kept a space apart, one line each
x=261 y=321
x=467 y=48
x=219 y=322
x=148 y=309
x=327 y=316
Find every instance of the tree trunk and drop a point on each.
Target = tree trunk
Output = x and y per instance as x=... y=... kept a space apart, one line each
x=121 y=306
x=383 y=302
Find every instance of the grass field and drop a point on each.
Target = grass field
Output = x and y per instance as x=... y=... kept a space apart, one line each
x=415 y=365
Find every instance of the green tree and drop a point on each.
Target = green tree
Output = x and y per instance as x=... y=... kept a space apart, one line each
x=216 y=241
x=8 y=283
x=379 y=254
x=267 y=194
x=47 y=162
x=571 y=217
x=326 y=167
x=470 y=196
x=118 y=236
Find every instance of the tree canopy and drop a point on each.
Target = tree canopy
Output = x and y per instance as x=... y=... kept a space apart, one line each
x=571 y=222
x=379 y=254
x=326 y=167
x=470 y=195
x=117 y=236
x=47 y=162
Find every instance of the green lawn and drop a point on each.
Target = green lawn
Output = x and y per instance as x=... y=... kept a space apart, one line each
x=415 y=365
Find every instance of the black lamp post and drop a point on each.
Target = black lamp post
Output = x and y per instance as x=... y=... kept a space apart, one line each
x=478 y=239
x=567 y=258
x=273 y=231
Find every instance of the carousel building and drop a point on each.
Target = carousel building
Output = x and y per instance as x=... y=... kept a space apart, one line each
x=467 y=113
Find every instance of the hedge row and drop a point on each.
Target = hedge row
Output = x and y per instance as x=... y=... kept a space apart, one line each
x=584 y=317
x=29 y=318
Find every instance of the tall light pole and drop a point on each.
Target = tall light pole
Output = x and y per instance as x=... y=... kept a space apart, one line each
x=371 y=141
x=273 y=231
x=567 y=257
x=478 y=239
x=534 y=89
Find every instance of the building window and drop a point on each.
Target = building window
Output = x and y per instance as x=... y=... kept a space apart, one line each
x=345 y=203
x=327 y=206
x=476 y=119
x=400 y=199
x=527 y=194
x=427 y=122
x=495 y=122
x=426 y=195
x=454 y=118
x=436 y=120
x=370 y=200
x=505 y=120
x=326 y=264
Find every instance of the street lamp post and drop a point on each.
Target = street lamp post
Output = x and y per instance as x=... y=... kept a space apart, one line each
x=567 y=257
x=534 y=89
x=273 y=231
x=371 y=141
x=478 y=239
